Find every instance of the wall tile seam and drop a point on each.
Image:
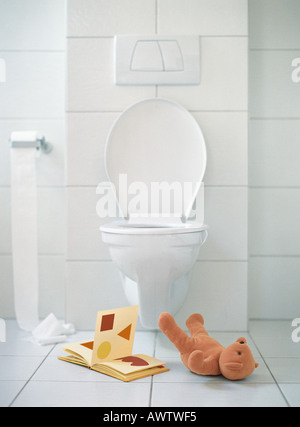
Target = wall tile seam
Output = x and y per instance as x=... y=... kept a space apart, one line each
x=101 y=260
x=40 y=254
x=274 y=256
x=90 y=186
x=162 y=35
x=261 y=257
x=39 y=186
x=269 y=187
x=32 y=51
x=156 y=96
x=286 y=49
x=273 y=118
x=156 y=13
x=255 y=118
x=31 y=118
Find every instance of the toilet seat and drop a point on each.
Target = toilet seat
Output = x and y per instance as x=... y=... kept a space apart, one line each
x=122 y=227
x=163 y=135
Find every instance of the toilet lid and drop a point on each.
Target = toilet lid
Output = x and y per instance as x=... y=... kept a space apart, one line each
x=153 y=142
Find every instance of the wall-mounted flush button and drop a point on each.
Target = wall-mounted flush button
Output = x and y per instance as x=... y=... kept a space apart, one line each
x=154 y=60
x=172 y=55
x=157 y=55
x=146 y=56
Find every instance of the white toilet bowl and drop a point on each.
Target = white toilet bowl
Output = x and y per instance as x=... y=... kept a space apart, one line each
x=156 y=264
x=155 y=141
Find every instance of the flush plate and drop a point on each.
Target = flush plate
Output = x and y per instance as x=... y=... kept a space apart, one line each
x=157 y=60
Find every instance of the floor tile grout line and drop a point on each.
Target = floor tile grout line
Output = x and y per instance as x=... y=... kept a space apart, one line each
x=268 y=368
x=151 y=384
x=282 y=357
x=29 y=379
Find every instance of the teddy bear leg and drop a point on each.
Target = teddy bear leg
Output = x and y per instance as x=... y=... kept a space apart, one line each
x=195 y=324
x=176 y=335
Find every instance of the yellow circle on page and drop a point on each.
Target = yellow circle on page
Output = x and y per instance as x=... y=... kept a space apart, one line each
x=103 y=350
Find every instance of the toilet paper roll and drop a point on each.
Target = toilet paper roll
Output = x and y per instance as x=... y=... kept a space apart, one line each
x=24 y=230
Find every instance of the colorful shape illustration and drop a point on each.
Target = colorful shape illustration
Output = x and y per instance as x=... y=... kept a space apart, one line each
x=125 y=333
x=134 y=360
x=107 y=322
x=104 y=350
x=89 y=344
x=114 y=333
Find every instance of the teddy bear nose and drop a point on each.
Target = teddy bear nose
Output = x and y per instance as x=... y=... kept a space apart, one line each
x=242 y=342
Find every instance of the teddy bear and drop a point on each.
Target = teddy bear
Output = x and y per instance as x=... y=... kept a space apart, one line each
x=204 y=355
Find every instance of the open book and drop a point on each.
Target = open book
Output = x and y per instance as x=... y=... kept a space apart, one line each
x=111 y=351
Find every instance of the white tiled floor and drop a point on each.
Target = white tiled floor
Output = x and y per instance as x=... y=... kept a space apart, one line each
x=32 y=375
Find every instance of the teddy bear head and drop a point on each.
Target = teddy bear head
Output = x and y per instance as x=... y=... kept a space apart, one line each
x=236 y=361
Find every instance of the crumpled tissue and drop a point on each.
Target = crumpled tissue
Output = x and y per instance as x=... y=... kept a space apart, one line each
x=51 y=331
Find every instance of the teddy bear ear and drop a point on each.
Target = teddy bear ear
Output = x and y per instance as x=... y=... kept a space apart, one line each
x=241 y=340
x=256 y=365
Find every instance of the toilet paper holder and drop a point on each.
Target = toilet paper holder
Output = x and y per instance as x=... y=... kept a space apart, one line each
x=29 y=141
x=45 y=146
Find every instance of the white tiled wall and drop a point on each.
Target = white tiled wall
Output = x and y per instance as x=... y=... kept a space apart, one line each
x=219 y=104
x=32 y=43
x=274 y=153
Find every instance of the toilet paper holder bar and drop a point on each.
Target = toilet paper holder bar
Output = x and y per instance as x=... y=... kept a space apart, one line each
x=38 y=143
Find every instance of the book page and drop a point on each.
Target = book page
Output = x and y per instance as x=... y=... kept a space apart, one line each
x=114 y=334
x=83 y=350
x=134 y=363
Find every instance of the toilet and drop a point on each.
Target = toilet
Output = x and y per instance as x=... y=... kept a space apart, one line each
x=155 y=159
